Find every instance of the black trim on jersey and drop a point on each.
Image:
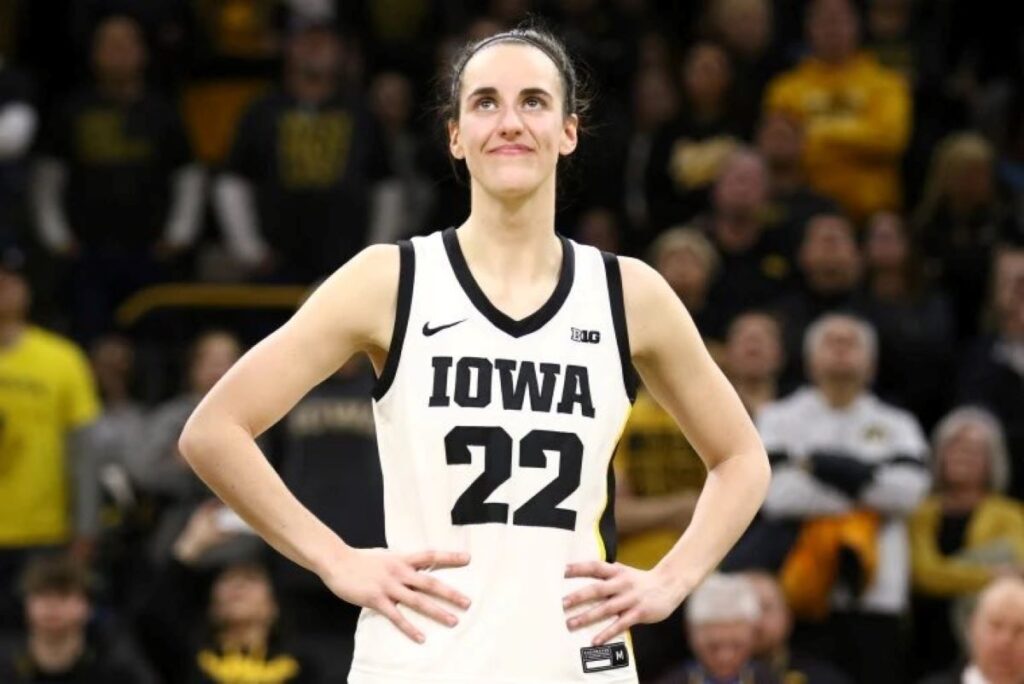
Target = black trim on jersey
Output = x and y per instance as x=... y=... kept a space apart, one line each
x=406 y=274
x=606 y=525
x=614 y=275
x=502 y=321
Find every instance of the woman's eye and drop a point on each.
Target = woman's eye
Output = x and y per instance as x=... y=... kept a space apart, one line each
x=533 y=102
x=486 y=103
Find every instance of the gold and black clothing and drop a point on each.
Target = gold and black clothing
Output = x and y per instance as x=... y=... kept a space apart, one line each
x=120 y=159
x=311 y=167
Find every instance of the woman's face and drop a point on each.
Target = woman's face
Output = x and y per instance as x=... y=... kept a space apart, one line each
x=512 y=128
x=965 y=458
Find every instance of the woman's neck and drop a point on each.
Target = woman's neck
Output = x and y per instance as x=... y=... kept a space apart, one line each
x=512 y=237
x=56 y=653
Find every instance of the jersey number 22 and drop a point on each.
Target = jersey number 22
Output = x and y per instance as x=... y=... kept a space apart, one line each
x=541 y=510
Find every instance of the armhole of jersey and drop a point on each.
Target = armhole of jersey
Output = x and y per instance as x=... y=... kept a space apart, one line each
x=406 y=274
x=614 y=275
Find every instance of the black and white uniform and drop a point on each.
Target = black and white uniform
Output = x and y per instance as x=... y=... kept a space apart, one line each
x=496 y=438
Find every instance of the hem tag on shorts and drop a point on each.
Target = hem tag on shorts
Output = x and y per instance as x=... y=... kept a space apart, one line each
x=600 y=658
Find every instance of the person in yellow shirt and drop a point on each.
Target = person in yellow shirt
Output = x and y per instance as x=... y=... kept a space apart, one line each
x=47 y=399
x=856 y=113
x=967 y=533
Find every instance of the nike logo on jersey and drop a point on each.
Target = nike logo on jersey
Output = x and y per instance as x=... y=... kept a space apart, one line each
x=428 y=331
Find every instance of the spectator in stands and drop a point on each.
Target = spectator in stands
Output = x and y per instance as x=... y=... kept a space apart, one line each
x=403 y=202
x=745 y=28
x=687 y=153
x=993 y=372
x=780 y=140
x=849 y=468
x=960 y=221
x=890 y=36
x=722 y=616
x=771 y=646
x=156 y=465
x=830 y=263
x=47 y=402
x=327 y=455
x=855 y=113
x=995 y=637
x=655 y=102
x=104 y=467
x=686 y=259
x=115 y=192
x=755 y=269
x=293 y=197
x=57 y=646
x=113 y=364
x=753 y=359
x=965 y=534
x=18 y=121
x=914 y=321
x=198 y=631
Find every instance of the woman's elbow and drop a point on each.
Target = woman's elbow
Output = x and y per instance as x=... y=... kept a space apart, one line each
x=194 y=439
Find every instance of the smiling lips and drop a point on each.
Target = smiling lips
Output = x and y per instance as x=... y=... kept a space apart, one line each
x=511 y=150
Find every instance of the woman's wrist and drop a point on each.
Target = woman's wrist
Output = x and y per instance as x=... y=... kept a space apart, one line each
x=675 y=575
x=327 y=558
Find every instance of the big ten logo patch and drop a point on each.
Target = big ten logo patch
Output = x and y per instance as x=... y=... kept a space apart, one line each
x=587 y=336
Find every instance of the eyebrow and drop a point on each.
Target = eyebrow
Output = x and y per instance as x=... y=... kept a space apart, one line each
x=491 y=91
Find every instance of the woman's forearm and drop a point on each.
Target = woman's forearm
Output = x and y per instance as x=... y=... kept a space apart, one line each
x=226 y=457
x=732 y=495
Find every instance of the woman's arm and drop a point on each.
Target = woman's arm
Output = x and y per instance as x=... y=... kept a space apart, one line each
x=353 y=311
x=678 y=371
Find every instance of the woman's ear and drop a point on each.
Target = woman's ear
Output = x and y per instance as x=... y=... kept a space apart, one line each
x=570 y=135
x=454 y=144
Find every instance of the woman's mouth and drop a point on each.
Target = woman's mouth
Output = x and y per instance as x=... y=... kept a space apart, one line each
x=511 y=150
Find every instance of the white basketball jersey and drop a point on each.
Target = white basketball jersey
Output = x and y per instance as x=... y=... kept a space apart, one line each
x=496 y=438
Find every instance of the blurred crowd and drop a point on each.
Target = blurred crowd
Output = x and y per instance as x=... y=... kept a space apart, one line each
x=834 y=189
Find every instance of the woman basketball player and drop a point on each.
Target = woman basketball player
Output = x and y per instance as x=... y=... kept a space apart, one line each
x=505 y=357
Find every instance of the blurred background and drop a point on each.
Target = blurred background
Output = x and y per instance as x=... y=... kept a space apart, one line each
x=834 y=188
